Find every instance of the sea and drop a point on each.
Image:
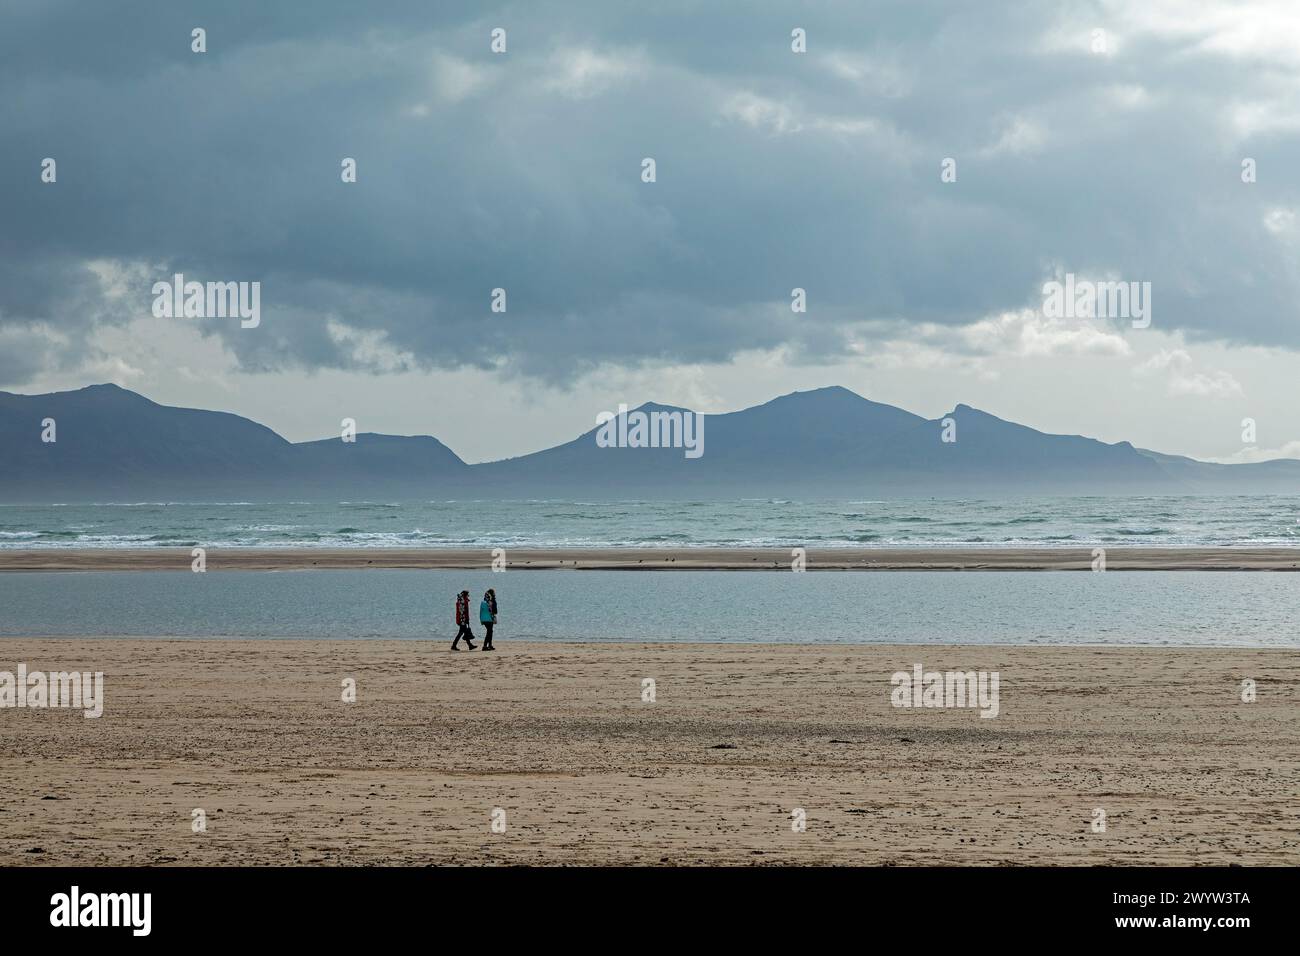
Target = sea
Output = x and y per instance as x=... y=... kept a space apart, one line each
x=1171 y=608
x=1164 y=608
x=1188 y=521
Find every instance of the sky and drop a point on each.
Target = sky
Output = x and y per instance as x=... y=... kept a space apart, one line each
x=1108 y=141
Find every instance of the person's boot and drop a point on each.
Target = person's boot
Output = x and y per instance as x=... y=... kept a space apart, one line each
x=469 y=643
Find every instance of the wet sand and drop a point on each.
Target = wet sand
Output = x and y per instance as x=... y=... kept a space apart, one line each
x=660 y=559
x=255 y=734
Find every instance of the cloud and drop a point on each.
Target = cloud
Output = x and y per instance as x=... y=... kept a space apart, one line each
x=1175 y=366
x=1280 y=222
x=980 y=347
x=1029 y=334
x=758 y=112
x=869 y=72
x=780 y=119
x=1019 y=135
x=1254 y=30
x=1252 y=453
x=455 y=79
x=583 y=73
x=522 y=171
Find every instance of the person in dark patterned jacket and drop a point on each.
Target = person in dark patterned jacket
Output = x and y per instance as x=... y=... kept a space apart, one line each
x=462 y=622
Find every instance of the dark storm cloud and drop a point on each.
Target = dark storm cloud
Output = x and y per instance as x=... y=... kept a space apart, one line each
x=522 y=171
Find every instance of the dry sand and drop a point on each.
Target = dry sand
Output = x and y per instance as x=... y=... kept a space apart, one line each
x=255 y=734
x=660 y=559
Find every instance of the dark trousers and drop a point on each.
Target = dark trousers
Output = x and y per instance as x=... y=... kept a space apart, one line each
x=487 y=641
x=464 y=632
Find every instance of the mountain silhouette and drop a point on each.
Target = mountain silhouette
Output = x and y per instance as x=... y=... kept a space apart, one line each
x=113 y=444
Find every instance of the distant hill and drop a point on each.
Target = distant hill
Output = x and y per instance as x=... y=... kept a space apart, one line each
x=116 y=445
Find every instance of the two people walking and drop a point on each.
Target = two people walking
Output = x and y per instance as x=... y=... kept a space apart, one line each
x=487 y=616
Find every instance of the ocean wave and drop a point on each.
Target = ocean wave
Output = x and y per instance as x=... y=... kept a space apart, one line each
x=757 y=523
x=168 y=504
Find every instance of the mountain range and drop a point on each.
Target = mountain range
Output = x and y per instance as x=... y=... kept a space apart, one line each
x=112 y=444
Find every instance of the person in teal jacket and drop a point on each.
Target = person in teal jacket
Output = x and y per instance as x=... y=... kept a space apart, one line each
x=487 y=616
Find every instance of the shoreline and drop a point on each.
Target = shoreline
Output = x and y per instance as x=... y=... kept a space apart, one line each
x=589 y=773
x=534 y=642
x=656 y=559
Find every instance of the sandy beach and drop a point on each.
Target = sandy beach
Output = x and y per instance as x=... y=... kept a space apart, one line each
x=558 y=736
x=658 y=559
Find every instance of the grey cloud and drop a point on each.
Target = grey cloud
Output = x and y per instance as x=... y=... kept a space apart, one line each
x=478 y=171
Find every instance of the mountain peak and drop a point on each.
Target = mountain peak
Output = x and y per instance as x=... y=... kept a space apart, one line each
x=658 y=407
x=814 y=400
x=110 y=392
x=979 y=412
x=106 y=388
x=826 y=391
